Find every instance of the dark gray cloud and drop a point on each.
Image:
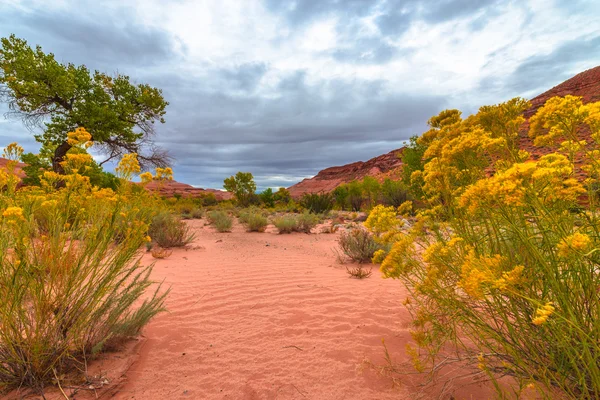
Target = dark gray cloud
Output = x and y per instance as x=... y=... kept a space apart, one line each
x=99 y=37
x=540 y=72
x=286 y=124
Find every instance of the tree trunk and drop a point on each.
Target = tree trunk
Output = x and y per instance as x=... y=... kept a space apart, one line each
x=59 y=157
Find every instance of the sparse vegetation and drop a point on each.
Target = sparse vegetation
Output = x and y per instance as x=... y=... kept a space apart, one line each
x=286 y=224
x=255 y=222
x=221 y=220
x=168 y=230
x=358 y=245
x=307 y=221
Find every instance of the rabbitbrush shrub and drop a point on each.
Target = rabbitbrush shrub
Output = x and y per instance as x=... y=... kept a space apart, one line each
x=67 y=290
x=507 y=267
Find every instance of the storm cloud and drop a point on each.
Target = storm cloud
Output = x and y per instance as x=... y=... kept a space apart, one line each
x=285 y=88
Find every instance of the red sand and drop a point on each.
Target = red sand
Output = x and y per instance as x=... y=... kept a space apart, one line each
x=268 y=316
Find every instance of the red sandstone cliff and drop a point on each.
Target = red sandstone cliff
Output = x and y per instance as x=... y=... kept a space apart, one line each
x=171 y=188
x=330 y=178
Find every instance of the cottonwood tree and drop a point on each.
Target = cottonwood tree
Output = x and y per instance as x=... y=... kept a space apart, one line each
x=119 y=115
x=242 y=186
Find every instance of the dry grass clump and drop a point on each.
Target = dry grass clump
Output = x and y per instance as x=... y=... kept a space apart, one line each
x=161 y=253
x=296 y=223
x=168 y=230
x=286 y=224
x=307 y=221
x=359 y=271
x=221 y=220
x=256 y=223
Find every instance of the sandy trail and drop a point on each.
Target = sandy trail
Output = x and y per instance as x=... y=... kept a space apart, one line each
x=268 y=316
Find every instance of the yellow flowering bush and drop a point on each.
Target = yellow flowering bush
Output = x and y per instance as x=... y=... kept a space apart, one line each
x=71 y=281
x=505 y=262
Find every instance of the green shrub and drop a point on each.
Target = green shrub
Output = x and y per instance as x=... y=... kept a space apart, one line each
x=197 y=213
x=221 y=220
x=286 y=224
x=267 y=197
x=318 y=203
x=209 y=199
x=393 y=193
x=358 y=244
x=282 y=196
x=307 y=221
x=256 y=222
x=168 y=230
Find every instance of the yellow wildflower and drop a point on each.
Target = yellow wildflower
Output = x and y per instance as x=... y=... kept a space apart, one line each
x=542 y=313
x=577 y=241
x=13 y=212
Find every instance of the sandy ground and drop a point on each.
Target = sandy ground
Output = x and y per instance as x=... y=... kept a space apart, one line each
x=268 y=316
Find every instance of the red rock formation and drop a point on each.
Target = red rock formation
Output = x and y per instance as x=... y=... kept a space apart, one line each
x=330 y=178
x=171 y=188
x=585 y=84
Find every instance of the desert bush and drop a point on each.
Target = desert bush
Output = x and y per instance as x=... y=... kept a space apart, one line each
x=286 y=224
x=168 y=230
x=256 y=222
x=67 y=290
x=318 y=203
x=208 y=199
x=306 y=221
x=358 y=245
x=221 y=220
x=505 y=267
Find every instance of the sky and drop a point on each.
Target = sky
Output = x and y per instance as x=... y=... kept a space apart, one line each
x=284 y=89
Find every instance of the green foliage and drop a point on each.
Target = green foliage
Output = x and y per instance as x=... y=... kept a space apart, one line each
x=282 y=196
x=393 y=193
x=118 y=114
x=168 y=230
x=340 y=195
x=358 y=244
x=318 y=203
x=412 y=160
x=355 y=195
x=208 y=199
x=242 y=186
x=371 y=189
x=37 y=164
x=267 y=197
x=221 y=220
